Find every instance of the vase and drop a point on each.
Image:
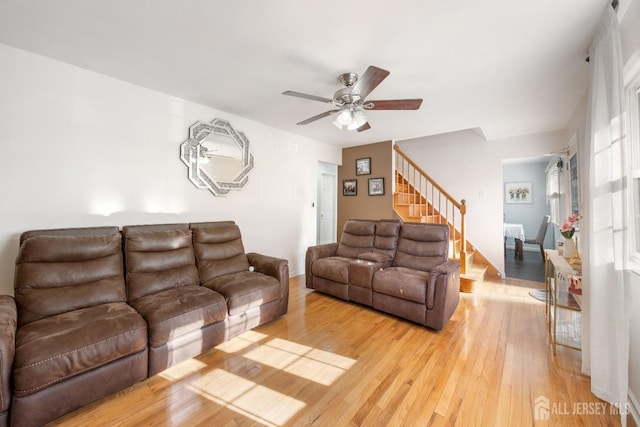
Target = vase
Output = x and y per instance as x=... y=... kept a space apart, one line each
x=569 y=247
x=575 y=256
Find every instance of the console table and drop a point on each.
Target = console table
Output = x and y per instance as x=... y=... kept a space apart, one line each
x=564 y=308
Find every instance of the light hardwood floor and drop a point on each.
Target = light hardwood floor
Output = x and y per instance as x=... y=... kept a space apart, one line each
x=334 y=363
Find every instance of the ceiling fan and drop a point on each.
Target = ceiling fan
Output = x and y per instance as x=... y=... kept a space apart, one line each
x=350 y=101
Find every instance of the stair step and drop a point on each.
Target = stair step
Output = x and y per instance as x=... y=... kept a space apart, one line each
x=473 y=278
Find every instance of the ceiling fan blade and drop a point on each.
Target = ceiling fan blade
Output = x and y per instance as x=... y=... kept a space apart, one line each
x=369 y=81
x=306 y=96
x=393 y=104
x=364 y=127
x=319 y=116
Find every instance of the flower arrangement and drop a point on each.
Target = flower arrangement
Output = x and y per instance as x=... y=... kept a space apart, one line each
x=569 y=226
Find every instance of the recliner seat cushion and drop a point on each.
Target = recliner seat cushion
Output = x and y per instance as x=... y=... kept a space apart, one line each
x=59 y=347
x=332 y=268
x=403 y=283
x=245 y=290
x=180 y=310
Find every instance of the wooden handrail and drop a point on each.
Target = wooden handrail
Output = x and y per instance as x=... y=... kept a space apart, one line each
x=426 y=175
x=421 y=197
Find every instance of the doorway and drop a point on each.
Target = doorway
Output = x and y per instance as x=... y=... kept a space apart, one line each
x=527 y=176
x=327 y=203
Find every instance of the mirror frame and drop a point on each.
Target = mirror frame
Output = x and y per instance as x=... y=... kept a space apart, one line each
x=190 y=149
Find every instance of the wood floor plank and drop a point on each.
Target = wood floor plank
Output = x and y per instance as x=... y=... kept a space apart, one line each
x=333 y=363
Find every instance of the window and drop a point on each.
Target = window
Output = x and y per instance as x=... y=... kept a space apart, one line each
x=555 y=189
x=632 y=87
x=575 y=192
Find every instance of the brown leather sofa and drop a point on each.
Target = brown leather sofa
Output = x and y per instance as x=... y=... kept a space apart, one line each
x=82 y=325
x=398 y=268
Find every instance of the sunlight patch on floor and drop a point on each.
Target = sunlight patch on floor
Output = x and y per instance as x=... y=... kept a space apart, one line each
x=306 y=362
x=249 y=399
x=510 y=293
x=242 y=342
x=182 y=370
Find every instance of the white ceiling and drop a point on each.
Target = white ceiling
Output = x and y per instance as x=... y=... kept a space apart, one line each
x=507 y=67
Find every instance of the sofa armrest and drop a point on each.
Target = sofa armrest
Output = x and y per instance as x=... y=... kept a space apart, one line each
x=443 y=293
x=274 y=267
x=8 y=325
x=315 y=253
x=448 y=267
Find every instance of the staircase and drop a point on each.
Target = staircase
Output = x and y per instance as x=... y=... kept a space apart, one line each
x=418 y=198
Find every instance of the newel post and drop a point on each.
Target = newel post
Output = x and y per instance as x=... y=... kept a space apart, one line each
x=463 y=237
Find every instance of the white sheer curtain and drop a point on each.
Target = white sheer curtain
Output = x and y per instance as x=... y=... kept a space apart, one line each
x=606 y=315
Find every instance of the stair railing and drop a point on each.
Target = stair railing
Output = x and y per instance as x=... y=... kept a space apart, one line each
x=430 y=202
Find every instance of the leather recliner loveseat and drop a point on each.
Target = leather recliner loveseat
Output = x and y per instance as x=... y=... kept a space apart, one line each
x=398 y=268
x=97 y=310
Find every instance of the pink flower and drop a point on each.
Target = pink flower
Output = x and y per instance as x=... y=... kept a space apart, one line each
x=569 y=227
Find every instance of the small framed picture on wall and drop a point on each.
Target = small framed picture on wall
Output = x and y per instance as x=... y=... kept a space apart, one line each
x=518 y=192
x=349 y=187
x=376 y=186
x=363 y=166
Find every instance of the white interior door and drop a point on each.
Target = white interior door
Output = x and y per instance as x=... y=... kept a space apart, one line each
x=327 y=208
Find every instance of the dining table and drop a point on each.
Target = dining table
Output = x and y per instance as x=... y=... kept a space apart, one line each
x=515 y=231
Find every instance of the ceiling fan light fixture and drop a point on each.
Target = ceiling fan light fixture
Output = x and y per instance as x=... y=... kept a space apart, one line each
x=358 y=119
x=349 y=118
x=344 y=116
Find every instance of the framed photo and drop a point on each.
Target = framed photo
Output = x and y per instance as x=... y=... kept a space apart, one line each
x=376 y=186
x=518 y=192
x=349 y=187
x=363 y=166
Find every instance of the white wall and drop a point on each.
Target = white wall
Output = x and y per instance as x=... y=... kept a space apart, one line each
x=470 y=167
x=81 y=149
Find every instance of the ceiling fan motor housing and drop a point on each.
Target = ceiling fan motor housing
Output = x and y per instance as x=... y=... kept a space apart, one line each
x=344 y=96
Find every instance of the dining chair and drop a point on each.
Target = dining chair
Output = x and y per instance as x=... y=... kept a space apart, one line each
x=539 y=238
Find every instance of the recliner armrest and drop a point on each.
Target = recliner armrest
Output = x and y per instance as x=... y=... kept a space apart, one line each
x=323 y=251
x=269 y=265
x=448 y=268
x=274 y=267
x=8 y=325
x=315 y=253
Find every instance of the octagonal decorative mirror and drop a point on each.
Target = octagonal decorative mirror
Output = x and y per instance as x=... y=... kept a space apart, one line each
x=217 y=156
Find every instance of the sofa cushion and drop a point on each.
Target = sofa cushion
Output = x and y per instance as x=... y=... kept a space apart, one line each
x=422 y=246
x=245 y=290
x=219 y=249
x=403 y=283
x=8 y=325
x=59 y=347
x=357 y=237
x=386 y=238
x=158 y=257
x=176 y=311
x=333 y=268
x=56 y=273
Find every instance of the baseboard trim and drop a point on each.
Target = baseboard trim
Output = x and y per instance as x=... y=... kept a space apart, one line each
x=634 y=409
